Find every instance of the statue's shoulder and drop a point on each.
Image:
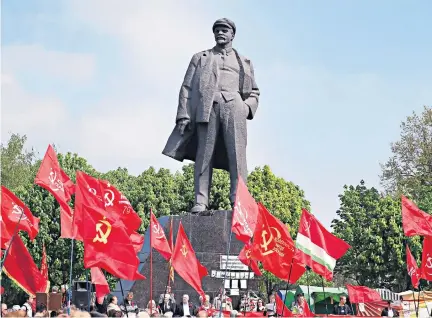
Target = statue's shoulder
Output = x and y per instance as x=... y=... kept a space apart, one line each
x=197 y=56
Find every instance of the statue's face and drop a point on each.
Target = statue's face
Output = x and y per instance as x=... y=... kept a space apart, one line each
x=223 y=35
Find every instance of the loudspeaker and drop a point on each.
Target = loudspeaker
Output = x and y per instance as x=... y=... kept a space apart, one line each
x=80 y=299
x=83 y=285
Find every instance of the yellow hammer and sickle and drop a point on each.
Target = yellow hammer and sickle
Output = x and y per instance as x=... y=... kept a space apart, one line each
x=102 y=236
x=266 y=242
x=184 y=250
x=248 y=253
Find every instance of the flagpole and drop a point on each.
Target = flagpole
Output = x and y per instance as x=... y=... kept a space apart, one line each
x=415 y=306
x=322 y=280
x=121 y=288
x=226 y=270
x=418 y=299
x=151 y=263
x=15 y=232
x=307 y=281
x=427 y=308
x=70 y=277
x=247 y=284
x=88 y=289
x=288 y=283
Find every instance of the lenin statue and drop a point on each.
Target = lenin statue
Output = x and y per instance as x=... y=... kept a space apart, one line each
x=218 y=95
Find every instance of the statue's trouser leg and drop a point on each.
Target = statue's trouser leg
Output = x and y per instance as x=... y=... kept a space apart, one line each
x=207 y=137
x=233 y=116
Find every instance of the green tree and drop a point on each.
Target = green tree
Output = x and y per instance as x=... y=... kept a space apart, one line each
x=372 y=224
x=409 y=169
x=17 y=163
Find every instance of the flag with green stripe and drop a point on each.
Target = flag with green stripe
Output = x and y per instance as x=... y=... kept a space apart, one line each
x=318 y=248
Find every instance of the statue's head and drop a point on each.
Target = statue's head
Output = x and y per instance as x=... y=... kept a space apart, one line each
x=224 y=31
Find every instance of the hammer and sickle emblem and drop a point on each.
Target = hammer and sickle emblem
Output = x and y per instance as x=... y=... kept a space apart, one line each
x=429 y=264
x=102 y=236
x=267 y=238
x=307 y=226
x=248 y=254
x=184 y=250
x=109 y=198
x=158 y=231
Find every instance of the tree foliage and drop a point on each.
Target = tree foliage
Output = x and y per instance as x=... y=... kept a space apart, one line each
x=409 y=169
x=372 y=224
x=160 y=190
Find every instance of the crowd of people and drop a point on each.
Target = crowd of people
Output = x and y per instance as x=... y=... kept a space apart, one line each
x=167 y=306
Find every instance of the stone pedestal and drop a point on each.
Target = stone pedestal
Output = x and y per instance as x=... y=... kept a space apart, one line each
x=209 y=236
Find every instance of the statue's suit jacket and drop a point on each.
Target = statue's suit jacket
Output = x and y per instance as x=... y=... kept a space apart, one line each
x=196 y=100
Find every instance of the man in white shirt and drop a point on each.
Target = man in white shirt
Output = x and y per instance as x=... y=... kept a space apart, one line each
x=185 y=309
x=28 y=306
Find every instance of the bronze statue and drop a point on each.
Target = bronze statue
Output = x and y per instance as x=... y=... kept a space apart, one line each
x=218 y=95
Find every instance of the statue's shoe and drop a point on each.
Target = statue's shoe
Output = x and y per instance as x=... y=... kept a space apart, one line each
x=198 y=208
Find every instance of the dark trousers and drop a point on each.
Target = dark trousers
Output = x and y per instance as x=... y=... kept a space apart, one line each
x=228 y=118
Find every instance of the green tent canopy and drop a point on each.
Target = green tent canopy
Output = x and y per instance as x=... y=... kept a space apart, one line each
x=316 y=297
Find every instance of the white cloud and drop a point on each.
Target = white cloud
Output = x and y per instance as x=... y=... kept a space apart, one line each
x=39 y=117
x=37 y=59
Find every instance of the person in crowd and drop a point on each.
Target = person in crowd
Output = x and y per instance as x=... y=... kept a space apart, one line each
x=298 y=307
x=271 y=306
x=17 y=313
x=113 y=306
x=206 y=305
x=185 y=308
x=4 y=310
x=342 y=307
x=224 y=299
x=152 y=308
x=41 y=311
x=202 y=314
x=27 y=306
x=389 y=311
x=167 y=305
x=129 y=306
x=260 y=306
x=101 y=305
x=64 y=292
x=167 y=291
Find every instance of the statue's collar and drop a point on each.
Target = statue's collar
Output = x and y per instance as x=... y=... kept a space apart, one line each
x=228 y=50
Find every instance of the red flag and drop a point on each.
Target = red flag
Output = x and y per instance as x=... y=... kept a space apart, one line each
x=317 y=247
x=171 y=244
x=274 y=248
x=100 y=193
x=245 y=258
x=52 y=178
x=107 y=245
x=412 y=268
x=245 y=213
x=44 y=265
x=186 y=263
x=281 y=308
x=362 y=294
x=137 y=241
x=20 y=267
x=5 y=236
x=426 y=265
x=100 y=282
x=12 y=210
x=158 y=239
x=117 y=204
x=414 y=220
x=66 y=222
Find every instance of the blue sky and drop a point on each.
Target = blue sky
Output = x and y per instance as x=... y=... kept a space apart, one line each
x=101 y=78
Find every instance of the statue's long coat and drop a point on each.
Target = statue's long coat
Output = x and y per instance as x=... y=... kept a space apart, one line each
x=195 y=101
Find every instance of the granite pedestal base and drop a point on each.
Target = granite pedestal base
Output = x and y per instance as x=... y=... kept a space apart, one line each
x=209 y=236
